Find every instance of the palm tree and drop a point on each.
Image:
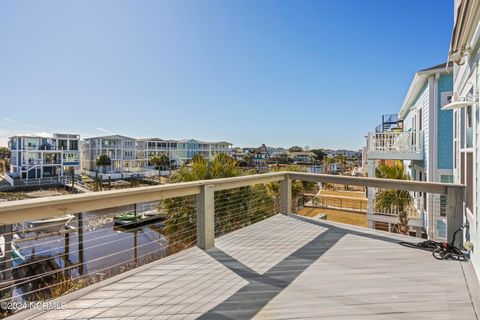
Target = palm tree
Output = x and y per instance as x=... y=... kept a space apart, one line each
x=103 y=161
x=233 y=207
x=4 y=158
x=394 y=200
x=164 y=161
x=248 y=160
x=326 y=162
x=160 y=162
x=342 y=160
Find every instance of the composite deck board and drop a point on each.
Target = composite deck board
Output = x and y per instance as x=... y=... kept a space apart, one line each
x=283 y=268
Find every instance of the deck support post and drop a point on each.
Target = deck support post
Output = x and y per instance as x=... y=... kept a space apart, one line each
x=286 y=195
x=370 y=193
x=206 y=217
x=81 y=253
x=455 y=217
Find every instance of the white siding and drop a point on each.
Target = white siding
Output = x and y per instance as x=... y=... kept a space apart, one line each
x=421 y=103
x=424 y=104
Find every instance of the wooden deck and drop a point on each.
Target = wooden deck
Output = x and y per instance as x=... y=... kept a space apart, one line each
x=284 y=267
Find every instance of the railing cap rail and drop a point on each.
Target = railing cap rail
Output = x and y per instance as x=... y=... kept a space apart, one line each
x=408 y=185
x=16 y=211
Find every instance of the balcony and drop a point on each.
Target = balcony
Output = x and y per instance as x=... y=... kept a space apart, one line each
x=242 y=254
x=390 y=215
x=395 y=146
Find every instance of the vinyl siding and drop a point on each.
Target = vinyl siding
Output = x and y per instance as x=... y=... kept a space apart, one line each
x=424 y=104
x=444 y=126
x=420 y=102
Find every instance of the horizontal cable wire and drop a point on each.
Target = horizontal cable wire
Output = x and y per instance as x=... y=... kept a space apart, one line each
x=58 y=233
x=191 y=228
x=91 y=239
x=76 y=265
x=89 y=274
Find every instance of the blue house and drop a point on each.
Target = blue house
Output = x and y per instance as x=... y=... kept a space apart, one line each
x=430 y=90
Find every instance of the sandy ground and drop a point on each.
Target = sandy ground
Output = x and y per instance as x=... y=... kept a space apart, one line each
x=347 y=217
x=343 y=199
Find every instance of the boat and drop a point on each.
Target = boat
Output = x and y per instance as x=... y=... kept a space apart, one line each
x=50 y=225
x=150 y=213
x=132 y=219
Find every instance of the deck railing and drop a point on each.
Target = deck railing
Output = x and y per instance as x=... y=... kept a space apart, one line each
x=410 y=209
x=401 y=142
x=18 y=211
x=193 y=213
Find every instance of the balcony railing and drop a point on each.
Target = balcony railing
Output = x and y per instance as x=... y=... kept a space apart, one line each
x=192 y=213
x=410 y=209
x=395 y=145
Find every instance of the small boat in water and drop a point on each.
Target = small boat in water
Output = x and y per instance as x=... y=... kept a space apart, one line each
x=50 y=225
x=150 y=213
x=132 y=219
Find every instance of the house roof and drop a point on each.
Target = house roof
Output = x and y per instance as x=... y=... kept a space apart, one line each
x=204 y=142
x=113 y=136
x=418 y=82
x=301 y=153
x=29 y=135
x=440 y=67
x=465 y=29
x=151 y=139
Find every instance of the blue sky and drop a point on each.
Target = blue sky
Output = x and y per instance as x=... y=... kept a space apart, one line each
x=283 y=73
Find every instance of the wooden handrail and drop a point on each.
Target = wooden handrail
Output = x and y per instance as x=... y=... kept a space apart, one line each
x=29 y=209
x=407 y=185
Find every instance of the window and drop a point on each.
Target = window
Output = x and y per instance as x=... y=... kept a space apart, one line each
x=420 y=119
x=443 y=198
x=469 y=180
x=469 y=127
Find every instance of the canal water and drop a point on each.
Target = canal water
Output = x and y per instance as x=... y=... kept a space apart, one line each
x=105 y=250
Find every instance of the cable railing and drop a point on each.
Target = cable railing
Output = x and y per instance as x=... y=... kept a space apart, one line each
x=337 y=202
x=52 y=246
x=43 y=252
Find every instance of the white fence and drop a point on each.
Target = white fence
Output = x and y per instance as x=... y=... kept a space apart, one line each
x=406 y=142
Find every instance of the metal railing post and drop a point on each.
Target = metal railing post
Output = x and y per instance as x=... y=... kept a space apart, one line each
x=455 y=217
x=286 y=195
x=206 y=217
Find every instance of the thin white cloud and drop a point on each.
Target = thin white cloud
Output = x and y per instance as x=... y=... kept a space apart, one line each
x=105 y=130
x=9 y=120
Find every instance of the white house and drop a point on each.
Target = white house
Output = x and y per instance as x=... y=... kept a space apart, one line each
x=465 y=54
x=150 y=147
x=120 y=149
x=421 y=113
x=36 y=157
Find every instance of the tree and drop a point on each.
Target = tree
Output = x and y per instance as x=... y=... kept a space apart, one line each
x=160 y=162
x=392 y=200
x=295 y=149
x=165 y=161
x=103 y=161
x=326 y=164
x=248 y=160
x=234 y=208
x=282 y=158
x=319 y=154
x=341 y=159
x=4 y=158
